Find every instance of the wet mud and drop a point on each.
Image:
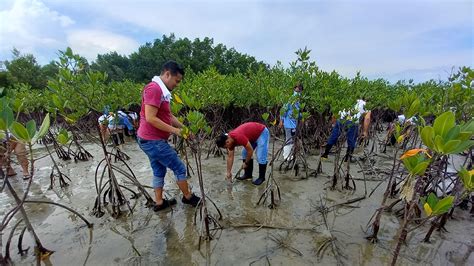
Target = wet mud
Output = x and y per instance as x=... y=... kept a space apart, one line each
x=294 y=233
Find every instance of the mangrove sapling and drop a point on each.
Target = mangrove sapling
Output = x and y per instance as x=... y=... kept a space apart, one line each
x=337 y=158
x=59 y=175
x=296 y=156
x=328 y=237
x=78 y=92
x=181 y=148
x=7 y=258
x=218 y=127
x=378 y=213
x=416 y=164
x=40 y=251
x=271 y=184
x=450 y=138
x=111 y=187
x=445 y=138
x=81 y=154
x=391 y=184
x=284 y=243
x=196 y=130
x=119 y=154
x=194 y=135
x=60 y=152
x=27 y=135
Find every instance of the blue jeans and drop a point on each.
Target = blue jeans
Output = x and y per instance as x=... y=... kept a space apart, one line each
x=260 y=146
x=352 y=131
x=162 y=156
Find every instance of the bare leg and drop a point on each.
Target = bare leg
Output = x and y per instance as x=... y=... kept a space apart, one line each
x=365 y=129
x=159 y=196
x=183 y=186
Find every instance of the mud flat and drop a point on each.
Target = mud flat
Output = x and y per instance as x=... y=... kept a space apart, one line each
x=294 y=233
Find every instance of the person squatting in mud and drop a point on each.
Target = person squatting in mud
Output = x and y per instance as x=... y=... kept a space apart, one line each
x=253 y=137
x=156 y=124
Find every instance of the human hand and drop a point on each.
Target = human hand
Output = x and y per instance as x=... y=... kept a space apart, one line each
x=184 y=132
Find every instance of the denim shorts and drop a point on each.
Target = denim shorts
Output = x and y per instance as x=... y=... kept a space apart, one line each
x=260 y=147
x=162 y=156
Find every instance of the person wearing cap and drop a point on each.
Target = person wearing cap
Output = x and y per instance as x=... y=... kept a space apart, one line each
x=289 y=120
x=156 y=124
x=348 y=120
x=253 y=137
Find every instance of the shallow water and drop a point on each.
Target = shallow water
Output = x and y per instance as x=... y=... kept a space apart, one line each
x=171 y=238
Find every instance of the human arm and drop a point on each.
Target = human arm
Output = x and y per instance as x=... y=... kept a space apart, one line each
x=150 y=116
x=175 y=122
x=230 y=162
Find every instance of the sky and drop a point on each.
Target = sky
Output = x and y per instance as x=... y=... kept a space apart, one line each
x=390 y=39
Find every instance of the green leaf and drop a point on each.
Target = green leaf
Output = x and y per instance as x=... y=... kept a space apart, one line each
x=20 y=132
x=43 y=129
x=444 y=123
x=3 y=125
x=265 y=116
x=453 y=133
x=427 y=135
x=464 y=135
x=468 y=126
x=57 y=102
x=7 y=118
x=443 y=205
x=420 y=168
x=451 y=146
x=31 y=127
x=432 y=200
x=63 y=138
x=413 y=110
x=463 y=146
x=467 y=179
x=17 y=104
x=439 y=143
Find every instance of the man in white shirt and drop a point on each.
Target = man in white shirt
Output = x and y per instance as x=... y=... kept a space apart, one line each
x=349 y=120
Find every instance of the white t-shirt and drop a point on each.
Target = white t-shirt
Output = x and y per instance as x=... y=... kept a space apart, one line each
x=358 y=109
x=102 y=119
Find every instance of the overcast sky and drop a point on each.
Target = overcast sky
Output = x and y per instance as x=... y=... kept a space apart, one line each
x=392 y=39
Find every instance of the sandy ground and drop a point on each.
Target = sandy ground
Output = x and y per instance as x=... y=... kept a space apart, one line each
x=171 y=238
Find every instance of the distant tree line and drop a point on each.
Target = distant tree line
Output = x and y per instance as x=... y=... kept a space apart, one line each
x=196 y=56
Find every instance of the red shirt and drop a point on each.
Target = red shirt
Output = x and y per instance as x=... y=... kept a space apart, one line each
x=152 y=95
x=247 y=132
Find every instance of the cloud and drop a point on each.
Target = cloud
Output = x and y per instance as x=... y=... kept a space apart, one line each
x=31 y=27
x=89 y=43
x=383 y=36
x=370 y=36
